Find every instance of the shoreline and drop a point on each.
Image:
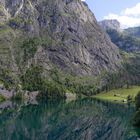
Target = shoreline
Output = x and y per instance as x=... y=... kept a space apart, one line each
x=123 y=95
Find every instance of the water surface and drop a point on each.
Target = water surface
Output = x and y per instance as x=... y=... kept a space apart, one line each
x=85 y=119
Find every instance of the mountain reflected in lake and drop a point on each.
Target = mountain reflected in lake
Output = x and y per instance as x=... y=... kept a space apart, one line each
x=85 y=119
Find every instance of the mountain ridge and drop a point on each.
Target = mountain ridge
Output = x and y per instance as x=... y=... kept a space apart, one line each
x=110 y=24
x=40 y=37
x=126 y=39
x=32 y=27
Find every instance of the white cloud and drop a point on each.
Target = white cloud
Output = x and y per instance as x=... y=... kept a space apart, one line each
x=134 y=11
x=128 y=17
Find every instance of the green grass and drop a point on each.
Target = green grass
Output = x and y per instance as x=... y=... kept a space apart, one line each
x=118 y=95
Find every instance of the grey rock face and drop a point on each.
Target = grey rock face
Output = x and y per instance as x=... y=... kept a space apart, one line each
x=76 y=42
x=110 y=24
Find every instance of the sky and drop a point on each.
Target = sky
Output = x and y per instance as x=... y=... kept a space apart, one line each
x=127 y=12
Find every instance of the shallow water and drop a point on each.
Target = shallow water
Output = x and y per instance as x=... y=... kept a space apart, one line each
x=85 y=119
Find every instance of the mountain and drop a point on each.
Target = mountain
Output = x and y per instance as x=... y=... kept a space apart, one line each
x=126 y=39
x=110 y=24
x=129 y=44
x=52 y=34
x=133 y=31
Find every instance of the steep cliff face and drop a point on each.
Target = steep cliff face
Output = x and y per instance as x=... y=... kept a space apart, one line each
x=48 y=33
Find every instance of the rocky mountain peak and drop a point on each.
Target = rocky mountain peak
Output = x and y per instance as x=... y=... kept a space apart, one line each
x=110 y=24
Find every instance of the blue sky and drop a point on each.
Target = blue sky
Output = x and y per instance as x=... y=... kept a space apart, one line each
x=126 y=11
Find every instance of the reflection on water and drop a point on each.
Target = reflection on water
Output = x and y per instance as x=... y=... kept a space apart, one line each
x=85 y=119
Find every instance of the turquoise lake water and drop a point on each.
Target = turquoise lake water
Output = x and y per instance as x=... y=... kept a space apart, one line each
x=85 y=119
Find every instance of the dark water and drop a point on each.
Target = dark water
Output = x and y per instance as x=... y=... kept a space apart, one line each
x=85 y=119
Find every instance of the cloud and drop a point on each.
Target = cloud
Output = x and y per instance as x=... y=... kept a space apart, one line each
x=128 y=17
x=134 y=11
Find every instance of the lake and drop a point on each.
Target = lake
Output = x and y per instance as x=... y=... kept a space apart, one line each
x=83 y=119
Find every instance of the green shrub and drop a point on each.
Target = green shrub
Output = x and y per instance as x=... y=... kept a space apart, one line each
x=137 y=100
x=2 y=98
x=87 y=90
x=29 y=47
x=18 y=96
x=52 y=90
x=79 y=85
x=136 y=119
x=129 y=98
x=32 y=79
x=7 y=78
